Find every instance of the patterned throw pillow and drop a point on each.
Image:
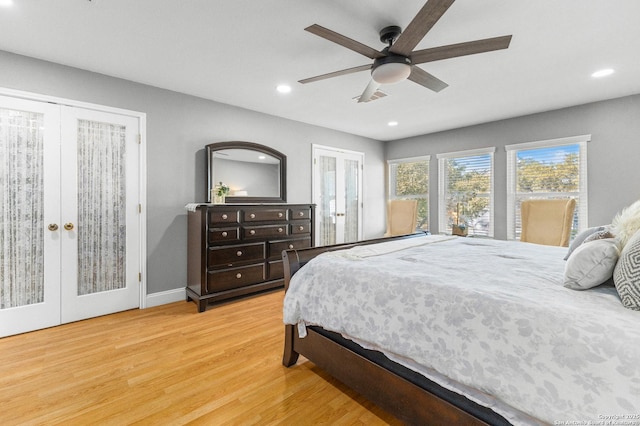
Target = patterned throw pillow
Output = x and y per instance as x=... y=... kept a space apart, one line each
x=579 y=239
x=600 y=235
x=626 y=275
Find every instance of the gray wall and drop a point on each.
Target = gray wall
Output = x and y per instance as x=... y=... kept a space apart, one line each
x=612 y=154
x=178 y=128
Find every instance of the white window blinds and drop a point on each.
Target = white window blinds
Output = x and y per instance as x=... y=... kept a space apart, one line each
x=545 y=170
x=465 y=191
x=409 y=180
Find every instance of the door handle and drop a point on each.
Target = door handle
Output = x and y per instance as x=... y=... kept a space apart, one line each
x=53 y=227
x=68 y=226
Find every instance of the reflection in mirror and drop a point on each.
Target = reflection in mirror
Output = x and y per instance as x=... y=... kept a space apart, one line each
x=254 y=173
x=247 y=173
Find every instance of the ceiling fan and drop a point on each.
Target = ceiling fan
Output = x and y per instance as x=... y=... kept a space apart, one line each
x=398 y=61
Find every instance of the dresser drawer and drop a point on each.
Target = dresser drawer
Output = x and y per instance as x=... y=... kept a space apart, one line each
x=265 y=231
x=301 y=227
x=219 y=217
x=228 y=256
x=276 y=270
x=263 y=215
x=302 y=213
x=220 y=235
x=227 y=279
x=276 y=247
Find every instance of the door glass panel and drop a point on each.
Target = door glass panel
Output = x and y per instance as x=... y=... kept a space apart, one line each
x=351 y=173
x=327 y=207
x=21 y=212
x=101 y=207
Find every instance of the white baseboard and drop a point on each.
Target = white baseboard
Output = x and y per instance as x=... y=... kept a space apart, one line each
x=164 y=297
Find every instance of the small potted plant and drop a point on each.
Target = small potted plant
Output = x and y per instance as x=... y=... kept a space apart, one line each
x=219 y=192
x=459 y=228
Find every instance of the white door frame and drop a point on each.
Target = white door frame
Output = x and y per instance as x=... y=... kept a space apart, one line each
x=142 y=169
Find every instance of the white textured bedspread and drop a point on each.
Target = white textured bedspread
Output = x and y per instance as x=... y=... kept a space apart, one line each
x=492 y=315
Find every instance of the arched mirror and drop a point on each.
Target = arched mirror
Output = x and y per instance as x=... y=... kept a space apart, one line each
x=253 y=173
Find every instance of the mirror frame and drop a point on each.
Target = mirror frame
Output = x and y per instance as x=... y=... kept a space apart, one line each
x=217 y=146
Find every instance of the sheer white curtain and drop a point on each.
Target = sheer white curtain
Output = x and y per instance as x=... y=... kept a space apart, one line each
x=351 y=176
x=21 y=211
x=101 y=207
x=327 y=207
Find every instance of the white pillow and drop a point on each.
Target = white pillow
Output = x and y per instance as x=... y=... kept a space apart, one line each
x=591 y=264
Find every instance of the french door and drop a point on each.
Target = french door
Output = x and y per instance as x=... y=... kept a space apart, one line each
x=69 y=220
x=337 y=193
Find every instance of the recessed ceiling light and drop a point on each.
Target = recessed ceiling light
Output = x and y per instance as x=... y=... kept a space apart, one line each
x=261 y=157
x=283 y=88
x=392 y=123
x=6 y=3
x=602 y=73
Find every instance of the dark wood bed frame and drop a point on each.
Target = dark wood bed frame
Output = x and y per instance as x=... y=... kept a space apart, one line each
x=403 y=393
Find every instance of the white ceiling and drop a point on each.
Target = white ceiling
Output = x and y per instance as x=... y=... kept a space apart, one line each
x=237 y=51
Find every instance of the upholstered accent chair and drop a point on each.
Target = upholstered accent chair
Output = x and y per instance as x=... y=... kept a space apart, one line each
x=402 y=216
x=547 y=222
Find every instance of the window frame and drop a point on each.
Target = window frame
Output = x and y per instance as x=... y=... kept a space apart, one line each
x=391 y=193
x=443 y=183
x=582 y=193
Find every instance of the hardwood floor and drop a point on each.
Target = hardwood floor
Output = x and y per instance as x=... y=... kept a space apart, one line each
x=170 y=365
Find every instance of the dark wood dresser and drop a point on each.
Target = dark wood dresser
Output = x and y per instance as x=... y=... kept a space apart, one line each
x=236 y=249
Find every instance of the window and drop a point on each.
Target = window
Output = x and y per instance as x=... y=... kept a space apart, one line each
x=465 y=191
x=409 y=180
x=544 y=170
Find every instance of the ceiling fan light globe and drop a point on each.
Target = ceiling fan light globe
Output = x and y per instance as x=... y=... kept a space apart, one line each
x=391 y=73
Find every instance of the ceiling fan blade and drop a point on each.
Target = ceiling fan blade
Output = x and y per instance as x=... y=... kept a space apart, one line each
x=371 y=88
x=336 y=74
x=423 y=78
x=460 y=49
x=344 y=41
x=426 y=18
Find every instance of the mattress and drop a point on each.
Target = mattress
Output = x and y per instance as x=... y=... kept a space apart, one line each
x=486 y=318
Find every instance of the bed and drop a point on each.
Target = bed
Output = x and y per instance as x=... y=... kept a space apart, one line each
x=452 y=330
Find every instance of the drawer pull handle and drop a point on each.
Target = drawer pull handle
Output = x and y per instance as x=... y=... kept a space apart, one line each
x=280 y=214
x=238 y=275
x=239 y=253
x=252 y=216
x=301 y=214
x=290 y=246
x=280 y=229
x=252 y=232
x=224 y=233
x=224 y=216
x=301 y=228
x=53 y=227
